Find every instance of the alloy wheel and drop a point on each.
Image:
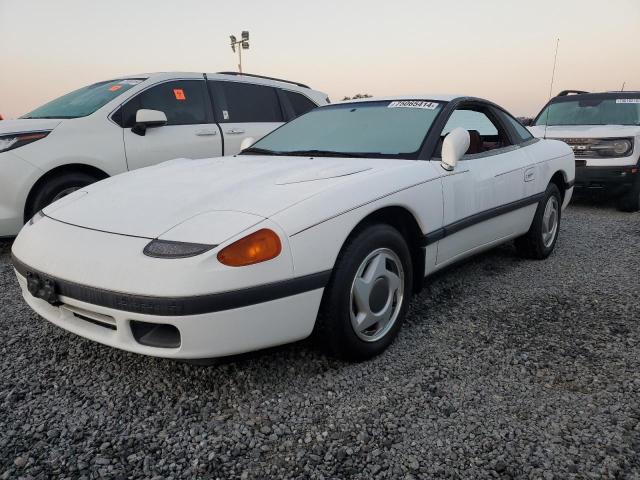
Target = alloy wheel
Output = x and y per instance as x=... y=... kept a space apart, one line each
x=550 y=221
x=377 y=293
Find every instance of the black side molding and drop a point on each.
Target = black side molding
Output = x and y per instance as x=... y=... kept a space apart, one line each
x=181 y=306
x=472 y=220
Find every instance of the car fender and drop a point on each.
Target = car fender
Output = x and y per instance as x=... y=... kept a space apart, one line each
x=548 y=157
x=93 y=141
x=316 y=242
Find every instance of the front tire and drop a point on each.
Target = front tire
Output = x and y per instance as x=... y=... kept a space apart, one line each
x=541 y=239
x=55 y=188
x=366 y=300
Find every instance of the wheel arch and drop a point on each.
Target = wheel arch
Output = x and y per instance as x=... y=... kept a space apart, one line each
x=559 y=178
x=403 y=220
x=61 y=170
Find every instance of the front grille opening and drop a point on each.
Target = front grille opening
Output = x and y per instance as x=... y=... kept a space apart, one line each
x=155 y=334
x=95 y=322
x=99 y=319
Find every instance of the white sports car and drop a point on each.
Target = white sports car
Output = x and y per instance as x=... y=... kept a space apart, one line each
x=325 y=226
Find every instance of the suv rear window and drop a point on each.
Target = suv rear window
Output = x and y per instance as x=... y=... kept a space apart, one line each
x=299 y=102
x=246 y=102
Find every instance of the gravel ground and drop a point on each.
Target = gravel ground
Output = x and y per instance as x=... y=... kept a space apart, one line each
x=506 y=368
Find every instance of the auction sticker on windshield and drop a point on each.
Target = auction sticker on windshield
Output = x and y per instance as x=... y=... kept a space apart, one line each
x=413 y=104
x=628 y=100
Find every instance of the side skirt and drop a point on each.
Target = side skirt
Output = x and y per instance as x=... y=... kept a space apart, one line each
x=472 y=220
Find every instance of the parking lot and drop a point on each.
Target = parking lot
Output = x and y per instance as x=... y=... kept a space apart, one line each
x=506 y=368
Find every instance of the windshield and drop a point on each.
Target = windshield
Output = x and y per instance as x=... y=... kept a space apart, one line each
x=387 y=129
x=597 y=111
x=84 y=101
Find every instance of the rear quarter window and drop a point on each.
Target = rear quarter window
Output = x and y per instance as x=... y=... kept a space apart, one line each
x=520 y=130
x=299 y=102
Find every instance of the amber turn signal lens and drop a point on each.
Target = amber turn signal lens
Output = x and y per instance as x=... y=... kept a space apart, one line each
x=258 y=247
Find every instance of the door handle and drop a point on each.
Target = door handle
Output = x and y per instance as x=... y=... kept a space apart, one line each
x=529 y=174
x=235 y=131
x=204 y=133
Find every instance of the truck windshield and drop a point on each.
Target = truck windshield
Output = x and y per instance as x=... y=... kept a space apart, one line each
x=385 y=129
x=84 y=101
x=610 y=111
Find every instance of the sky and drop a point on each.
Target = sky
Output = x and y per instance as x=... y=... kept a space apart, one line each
x=502 y=50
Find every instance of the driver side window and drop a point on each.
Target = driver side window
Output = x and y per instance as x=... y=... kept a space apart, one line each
x=485 y=134
x=184 y=102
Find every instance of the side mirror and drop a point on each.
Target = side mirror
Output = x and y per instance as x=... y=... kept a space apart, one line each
x=148 y=119
x=247 y=142
x=526 y=122
x=455 y=145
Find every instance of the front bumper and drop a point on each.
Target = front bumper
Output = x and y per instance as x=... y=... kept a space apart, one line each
x=102 y=287
x=208 y=335
x=605 y=177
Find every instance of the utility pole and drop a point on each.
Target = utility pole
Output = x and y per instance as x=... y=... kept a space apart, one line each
x=242 y=44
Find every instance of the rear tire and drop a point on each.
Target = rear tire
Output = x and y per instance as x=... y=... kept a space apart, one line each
x=365 y=303
x=630 y=201
x=55 y=188
x=540 y=240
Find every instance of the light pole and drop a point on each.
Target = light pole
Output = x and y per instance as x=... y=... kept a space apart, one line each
x=242 y=44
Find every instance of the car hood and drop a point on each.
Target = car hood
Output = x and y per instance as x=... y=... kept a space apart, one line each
x=585 y=131
x=150 y=202
x=22 y=125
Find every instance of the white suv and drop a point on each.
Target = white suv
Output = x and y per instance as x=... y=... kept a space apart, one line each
x=132 y=122
x=603 y=129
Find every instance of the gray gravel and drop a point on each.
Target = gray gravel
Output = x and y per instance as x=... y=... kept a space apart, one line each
x=506 y=368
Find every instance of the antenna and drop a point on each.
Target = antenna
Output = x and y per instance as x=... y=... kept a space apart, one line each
x=553 y=76
x=623 y=84
x=553 y=73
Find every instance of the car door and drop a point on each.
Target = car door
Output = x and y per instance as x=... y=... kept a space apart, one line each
x=488 y=182
x=245 y=110
x=190 y=131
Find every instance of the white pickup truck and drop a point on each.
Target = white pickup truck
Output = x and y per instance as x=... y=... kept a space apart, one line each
x=603 y=129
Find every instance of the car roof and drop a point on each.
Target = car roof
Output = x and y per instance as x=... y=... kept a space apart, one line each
x=248 y=77
x=317 y=96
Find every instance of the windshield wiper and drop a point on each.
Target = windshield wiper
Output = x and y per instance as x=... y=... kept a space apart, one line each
x=259 y=151
x=323 y=153
x=307 y=153
x=59 y=117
